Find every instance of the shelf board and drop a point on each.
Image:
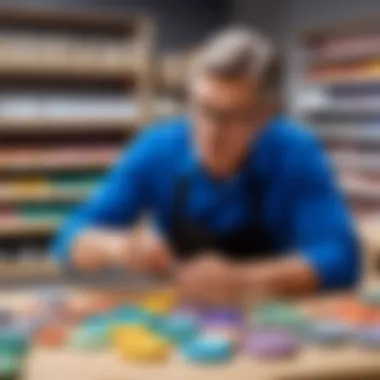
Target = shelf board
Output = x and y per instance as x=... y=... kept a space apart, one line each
x=45 y=195
x=39 y=268
x=72 y=125
x=110 y=22
x=49 y=166
x=27 y=228
x=345 y=80
x=344 y=109
x=320 y=58
x=361 y=162
x=349 y=133
x=64 y=70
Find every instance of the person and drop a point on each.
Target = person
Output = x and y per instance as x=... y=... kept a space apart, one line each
x=242 y=199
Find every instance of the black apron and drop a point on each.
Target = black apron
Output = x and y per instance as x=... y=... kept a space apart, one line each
x=190 y=237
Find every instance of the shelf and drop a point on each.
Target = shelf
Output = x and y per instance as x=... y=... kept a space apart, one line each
x=362 y=191
x=40 y=269
x=82 y=73
x=44 y=195
x=72 y=125
x=19 y=160
x=345 y=80
x=25 y=228
x=362 y=162
x=57 y=166
x=321 y=58
x=344 y=109
x=354 y=133
x=94 y=21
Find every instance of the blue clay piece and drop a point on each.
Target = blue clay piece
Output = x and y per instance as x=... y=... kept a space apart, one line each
x=179 y=328
x=90 y=337
x=328 y=333
x=132 y=315
x=208 y=351
x=368 y=337
x=14 y=341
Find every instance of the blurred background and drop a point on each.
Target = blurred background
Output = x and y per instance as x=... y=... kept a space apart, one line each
x=80 y=78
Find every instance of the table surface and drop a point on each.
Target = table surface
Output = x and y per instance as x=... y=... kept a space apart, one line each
x=312 y=363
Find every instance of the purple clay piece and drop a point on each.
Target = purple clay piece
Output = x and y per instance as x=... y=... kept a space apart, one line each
x=272 y=344
x=186 y=310
x=223 y=317
x=368 y=336
x=6 y=317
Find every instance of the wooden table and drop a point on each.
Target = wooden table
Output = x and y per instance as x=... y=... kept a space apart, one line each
x=348 y=362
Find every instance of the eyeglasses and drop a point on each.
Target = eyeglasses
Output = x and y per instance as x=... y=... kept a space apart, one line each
x=221 y=116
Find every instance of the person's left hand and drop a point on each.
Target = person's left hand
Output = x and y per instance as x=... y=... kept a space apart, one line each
x=209 y=279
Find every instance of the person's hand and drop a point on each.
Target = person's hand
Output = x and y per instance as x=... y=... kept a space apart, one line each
x=209 y=279
x=96 y=250
x=149 y=253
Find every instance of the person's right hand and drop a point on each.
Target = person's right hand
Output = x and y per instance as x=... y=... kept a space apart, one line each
x=96 y=250
x=149 y=253
x=139 y=251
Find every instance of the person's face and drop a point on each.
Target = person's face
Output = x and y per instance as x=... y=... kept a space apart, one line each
x=223 y=111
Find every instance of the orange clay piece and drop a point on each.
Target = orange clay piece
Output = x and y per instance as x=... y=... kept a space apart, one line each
x=52 y=336
x=355 y=313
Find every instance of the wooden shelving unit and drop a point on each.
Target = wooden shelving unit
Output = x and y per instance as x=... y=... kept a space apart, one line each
x=338 y=93
x=73 y=88
x=173 y=71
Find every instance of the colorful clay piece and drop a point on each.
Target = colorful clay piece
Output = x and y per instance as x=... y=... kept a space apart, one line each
x=6 y=317
x=272 y=344
x=138 y=344
x=122 y=333
x=223 y=317
x=13 y=341
x=281 y=315
x=10 y=365
x=328 y=332
x=208 y=350
x=160 y=303
x=134 y=315
x=52 y=336
x=371 y=297
x=368 y=337
x=179 y=328
x=90 y=337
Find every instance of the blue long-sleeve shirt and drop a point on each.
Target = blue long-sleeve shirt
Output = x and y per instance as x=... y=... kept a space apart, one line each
x=303 y=207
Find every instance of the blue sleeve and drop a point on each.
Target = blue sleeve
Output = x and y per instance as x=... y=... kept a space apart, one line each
x=322 y=225
x=119 y=200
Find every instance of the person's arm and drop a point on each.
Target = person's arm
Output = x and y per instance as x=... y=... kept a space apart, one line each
x=96 y=234
x=326 y=250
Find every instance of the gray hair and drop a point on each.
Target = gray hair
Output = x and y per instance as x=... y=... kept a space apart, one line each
x=234 y=52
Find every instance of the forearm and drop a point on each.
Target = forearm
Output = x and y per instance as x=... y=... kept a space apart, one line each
x=283 y=277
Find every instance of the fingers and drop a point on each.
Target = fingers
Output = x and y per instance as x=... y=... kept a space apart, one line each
x=148 y=254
